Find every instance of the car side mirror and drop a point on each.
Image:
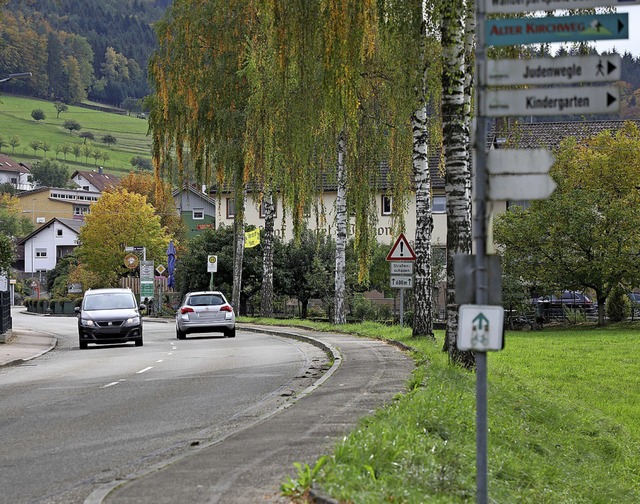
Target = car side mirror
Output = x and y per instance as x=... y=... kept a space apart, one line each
x=142 y=307
x=76 y=309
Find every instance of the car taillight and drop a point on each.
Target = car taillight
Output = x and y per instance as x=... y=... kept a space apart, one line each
x=226 y=308
x=186 y=309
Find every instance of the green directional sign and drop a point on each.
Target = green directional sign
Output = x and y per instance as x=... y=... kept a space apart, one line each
x=517 y=31
x=511 y=6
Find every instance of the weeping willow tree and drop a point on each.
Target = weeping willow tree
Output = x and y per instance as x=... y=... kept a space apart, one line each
x=320 y=108
x=281 y=95
x=412 y=59
x=198 y=111
x=284 y=145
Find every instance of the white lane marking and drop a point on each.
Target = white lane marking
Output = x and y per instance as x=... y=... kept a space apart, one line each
x=144 y=370
x=113 y=383
x=159 y=361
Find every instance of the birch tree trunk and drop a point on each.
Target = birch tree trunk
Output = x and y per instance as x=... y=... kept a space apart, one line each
x=266 y=303
x=238 y=254
x=423 y=289
x=340 y=316
x=457 y=174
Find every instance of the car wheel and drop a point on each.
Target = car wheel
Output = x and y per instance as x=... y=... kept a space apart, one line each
x=180 y=334
x=231 y=333
x=139 y=341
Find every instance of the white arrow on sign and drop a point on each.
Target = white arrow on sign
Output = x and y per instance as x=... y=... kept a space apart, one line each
x=402 y=282
x=501 y=6
x=519 y=174
x=562 y=70
x=551 y=101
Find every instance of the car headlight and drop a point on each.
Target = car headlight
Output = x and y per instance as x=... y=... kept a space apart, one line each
x=87 y=322
x=133 y=320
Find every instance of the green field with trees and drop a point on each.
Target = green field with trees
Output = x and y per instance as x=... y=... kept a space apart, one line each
x=120 y=137
x=563 y=405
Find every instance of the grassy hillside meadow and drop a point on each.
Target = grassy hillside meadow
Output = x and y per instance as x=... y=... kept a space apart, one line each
x=563 y=408
x=129 y=131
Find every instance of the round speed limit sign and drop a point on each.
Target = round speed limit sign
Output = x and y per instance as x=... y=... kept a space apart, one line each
x=212 y=264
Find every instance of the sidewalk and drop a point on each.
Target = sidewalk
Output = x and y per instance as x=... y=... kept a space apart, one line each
x=249 y=465
x=23 y=345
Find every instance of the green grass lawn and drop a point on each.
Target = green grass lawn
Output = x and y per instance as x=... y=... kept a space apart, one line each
x=129 y=131
x=563 y=425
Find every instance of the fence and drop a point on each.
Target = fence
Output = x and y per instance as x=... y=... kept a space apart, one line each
x=5 y=312
x=133 y=283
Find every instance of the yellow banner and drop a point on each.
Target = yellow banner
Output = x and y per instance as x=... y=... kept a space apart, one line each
x=252 y=238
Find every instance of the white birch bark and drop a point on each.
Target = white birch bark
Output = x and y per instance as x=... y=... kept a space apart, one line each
x=266 y=303
x=423 y=289
x=457 y=174
x=238 y=254
x=340 y=316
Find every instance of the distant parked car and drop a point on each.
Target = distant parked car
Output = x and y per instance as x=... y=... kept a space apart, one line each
x=205 y=311
x=634 y=299
x=554 y=306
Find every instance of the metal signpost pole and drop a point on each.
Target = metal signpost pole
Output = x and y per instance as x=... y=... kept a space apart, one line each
x=481 y=276
x=514 y=174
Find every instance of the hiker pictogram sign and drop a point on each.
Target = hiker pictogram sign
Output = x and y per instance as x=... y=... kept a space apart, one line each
x=401 y=250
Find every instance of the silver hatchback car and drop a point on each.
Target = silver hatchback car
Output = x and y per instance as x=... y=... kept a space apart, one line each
x=205 y=311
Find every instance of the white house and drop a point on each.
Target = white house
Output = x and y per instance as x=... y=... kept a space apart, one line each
x=94 y=181
x=15 y=173
x=326 y=209
x=50 y=242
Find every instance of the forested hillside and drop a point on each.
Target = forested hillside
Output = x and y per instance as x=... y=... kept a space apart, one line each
x=99 y=50
x=80 y=49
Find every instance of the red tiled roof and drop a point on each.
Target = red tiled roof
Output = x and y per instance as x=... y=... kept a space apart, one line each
x=100 y=181
x=9 y=165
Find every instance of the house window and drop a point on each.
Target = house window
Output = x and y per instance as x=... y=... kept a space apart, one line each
x=41 y=253
x=275 y=209
x=14 y=181
x=85 y=187
x=386 y=205
x=307 y=210
x=439 y=204
x=524 y=204
x=231 y=208
x=58 y=233
x=197 y=214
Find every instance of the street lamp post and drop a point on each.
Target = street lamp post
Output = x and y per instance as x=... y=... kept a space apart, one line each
x=21 y=75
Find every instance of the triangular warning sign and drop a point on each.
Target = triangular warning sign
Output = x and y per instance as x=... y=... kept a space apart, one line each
x=401 y=250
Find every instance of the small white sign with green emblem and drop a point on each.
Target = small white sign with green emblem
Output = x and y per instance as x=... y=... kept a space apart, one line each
x=480 y=328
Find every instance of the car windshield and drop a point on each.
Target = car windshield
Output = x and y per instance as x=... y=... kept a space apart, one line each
x=205 y=300
x=109 y=301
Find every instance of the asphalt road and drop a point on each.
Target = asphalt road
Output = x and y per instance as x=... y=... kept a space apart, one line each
x=74 y=420
x=206 y=420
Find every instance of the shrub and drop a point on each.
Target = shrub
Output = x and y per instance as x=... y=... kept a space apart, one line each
x=618 y=307
x=316 y=312
x=362 y=308
x=38 y=114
